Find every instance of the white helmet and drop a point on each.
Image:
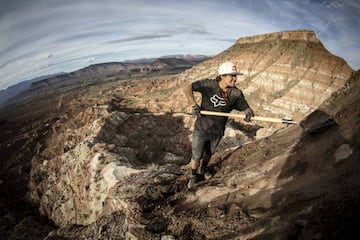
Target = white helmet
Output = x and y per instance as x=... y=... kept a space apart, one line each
x=228 y=68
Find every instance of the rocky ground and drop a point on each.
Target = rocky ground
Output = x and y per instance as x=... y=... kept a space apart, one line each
x=109 y=161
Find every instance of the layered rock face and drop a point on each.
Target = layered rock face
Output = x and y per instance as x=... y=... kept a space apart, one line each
x=287 y=73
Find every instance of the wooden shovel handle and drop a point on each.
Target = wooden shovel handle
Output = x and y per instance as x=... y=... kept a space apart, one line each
x=256 y=118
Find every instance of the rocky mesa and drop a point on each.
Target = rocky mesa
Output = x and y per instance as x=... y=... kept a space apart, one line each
x=285 y=73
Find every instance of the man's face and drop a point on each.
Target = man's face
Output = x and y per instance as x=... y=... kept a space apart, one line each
x=230 y=80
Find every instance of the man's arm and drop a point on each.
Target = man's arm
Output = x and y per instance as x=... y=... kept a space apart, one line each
x=242 y=105
x=189 y=94
x=191 y=99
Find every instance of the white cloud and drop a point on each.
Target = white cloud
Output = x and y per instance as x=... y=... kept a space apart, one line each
x=42 y=37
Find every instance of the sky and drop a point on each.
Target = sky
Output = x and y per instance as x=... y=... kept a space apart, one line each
x=41 y=37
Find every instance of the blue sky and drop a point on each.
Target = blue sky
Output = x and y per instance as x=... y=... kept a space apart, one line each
x=39 y=37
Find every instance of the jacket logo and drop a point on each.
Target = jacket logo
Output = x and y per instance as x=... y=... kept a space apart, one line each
x=218 y=101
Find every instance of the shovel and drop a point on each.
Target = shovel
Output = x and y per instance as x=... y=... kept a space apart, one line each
x=256 y=118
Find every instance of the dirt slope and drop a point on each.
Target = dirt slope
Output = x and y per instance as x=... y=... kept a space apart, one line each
x=296 y=184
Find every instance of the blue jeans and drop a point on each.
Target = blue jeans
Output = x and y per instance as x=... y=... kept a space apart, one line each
x=204 y=144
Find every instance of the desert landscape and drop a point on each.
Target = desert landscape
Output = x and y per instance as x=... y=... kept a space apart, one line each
x=103 y=152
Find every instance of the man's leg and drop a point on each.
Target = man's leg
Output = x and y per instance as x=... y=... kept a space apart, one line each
x=198 y=142
x=210 y=148
x=194 y=166
x=194 y=177
x=206 y=158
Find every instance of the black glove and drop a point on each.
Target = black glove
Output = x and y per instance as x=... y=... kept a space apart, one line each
x=196 y=110
x=249 y=113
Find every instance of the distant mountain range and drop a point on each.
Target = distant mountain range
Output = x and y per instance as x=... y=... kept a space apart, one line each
x=101 y=72
x=14 y=90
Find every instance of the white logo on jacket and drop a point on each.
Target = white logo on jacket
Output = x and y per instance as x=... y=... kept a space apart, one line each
x=218 y=101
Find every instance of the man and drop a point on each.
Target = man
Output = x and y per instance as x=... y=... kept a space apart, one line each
x=220 y=95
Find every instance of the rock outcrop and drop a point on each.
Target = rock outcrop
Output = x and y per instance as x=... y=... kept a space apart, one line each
x=94 y=151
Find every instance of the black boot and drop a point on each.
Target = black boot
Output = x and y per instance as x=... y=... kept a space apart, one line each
x=193 y=181
x=203 y=169
x=194 y=178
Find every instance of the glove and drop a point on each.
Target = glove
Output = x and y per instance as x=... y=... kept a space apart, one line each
x=249 y=113
x=196 y=110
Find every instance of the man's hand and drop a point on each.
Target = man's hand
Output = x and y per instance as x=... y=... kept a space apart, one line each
x=249 y=113
x=196 y=110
